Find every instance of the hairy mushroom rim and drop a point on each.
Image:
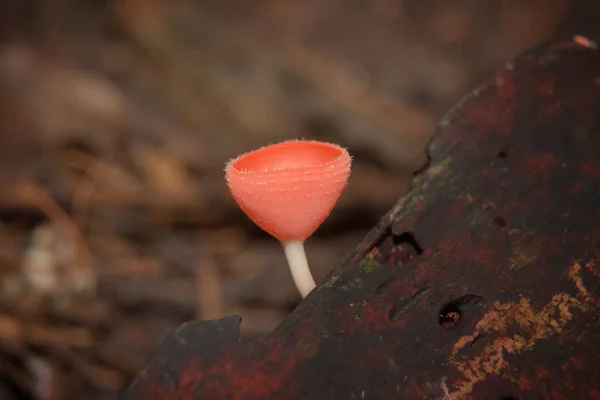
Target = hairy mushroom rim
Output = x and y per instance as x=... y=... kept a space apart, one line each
x=289 y=155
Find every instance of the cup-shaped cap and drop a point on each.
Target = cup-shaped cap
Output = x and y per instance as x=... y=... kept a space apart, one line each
x=289 y=188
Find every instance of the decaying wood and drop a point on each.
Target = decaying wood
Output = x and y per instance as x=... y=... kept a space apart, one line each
x=481 y=283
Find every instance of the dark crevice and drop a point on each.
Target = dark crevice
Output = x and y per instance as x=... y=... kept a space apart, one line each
x=382 y=287
x=397 y=240
x=500 y=221
x=409 y=238
x=387 y=232
x=423 y=167
x=477 y=339
x=401 y=306
x=450 y=314
x=502 y=153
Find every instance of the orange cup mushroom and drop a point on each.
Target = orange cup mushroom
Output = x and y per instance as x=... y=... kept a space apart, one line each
x=288 y=189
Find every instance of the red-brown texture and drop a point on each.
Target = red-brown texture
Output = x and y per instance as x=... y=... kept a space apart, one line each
x=123 y=114
x=481 y=283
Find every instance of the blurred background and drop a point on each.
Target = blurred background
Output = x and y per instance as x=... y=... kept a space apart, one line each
x=116 y=120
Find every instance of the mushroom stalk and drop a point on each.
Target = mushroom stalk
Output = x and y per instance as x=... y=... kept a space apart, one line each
x=296 y=256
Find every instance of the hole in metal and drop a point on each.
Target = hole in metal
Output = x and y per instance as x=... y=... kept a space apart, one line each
x=409 y=238
x=450 y=314
x=500 y=221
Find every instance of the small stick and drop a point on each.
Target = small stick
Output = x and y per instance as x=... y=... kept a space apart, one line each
x=208 y=285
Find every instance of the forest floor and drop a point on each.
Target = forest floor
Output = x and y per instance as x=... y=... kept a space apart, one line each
x=117 y=118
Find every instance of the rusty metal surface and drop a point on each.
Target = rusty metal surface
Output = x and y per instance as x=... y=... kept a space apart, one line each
x=481 y=283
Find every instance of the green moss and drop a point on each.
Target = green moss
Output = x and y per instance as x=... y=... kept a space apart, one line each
x=435 y=254
x=580 y=132
x=523 y=256
x=363 y=303
x=367 y=266
x=356 y=317
x=525 y=251
x=412 y=201
x=454 y=189
x=477 y=217
x=307 y=348
x=330 y=282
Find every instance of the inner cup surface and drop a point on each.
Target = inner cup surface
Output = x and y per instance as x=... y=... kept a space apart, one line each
x=289 y=155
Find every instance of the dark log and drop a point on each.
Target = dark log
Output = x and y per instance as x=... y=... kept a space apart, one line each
x=481 y=283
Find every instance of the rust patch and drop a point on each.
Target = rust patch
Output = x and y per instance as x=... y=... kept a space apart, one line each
x=591 y=169
x=525 y=251
x=541 y=165
x=537 y=324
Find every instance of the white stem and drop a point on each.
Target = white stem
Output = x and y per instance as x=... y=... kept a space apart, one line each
x=294 y=251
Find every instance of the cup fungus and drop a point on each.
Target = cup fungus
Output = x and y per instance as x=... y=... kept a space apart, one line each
x=288 y=189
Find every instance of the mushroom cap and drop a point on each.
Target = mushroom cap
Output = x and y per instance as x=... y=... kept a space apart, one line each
x=289 y=188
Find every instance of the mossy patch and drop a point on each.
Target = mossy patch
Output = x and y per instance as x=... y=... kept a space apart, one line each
x=525 y=251
x=436 y=169
x=330 y=282
x=580 y=132
x=477 y=217
x=523 y=256
x=307 y=348
x=435 y=254
x=367 y=266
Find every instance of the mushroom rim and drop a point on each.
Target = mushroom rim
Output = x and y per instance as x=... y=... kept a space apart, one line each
x=343 y=154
